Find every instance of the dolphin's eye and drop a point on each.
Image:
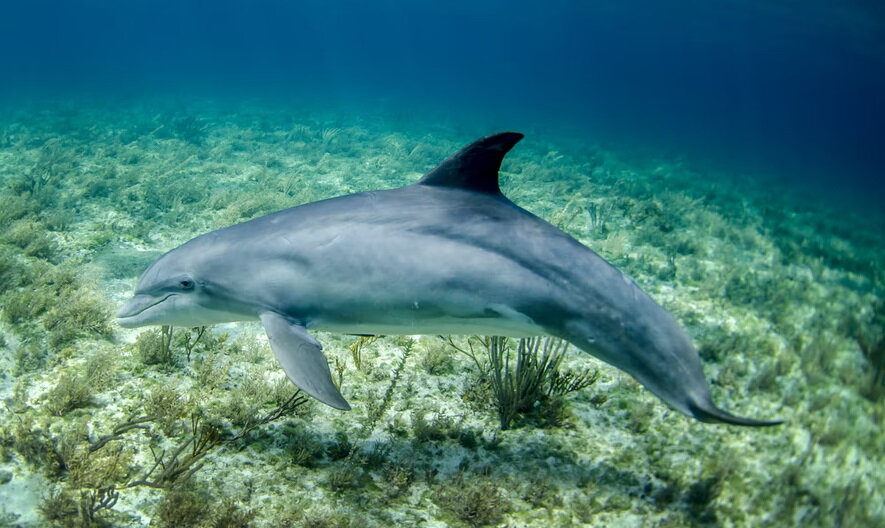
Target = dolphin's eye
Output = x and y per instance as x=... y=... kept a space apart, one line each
x=186 y=284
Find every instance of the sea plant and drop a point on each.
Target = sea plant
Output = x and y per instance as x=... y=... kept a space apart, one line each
x=101 y=367
x=341 y=448
x=871 y=340
x=329 y=135
x=182 y=508
x=24 y=305
x=59 y=508
x=599 y=214
x=340 y=368
x=211 y=371
x=474 y=501
x=305 y=448
x=320 y=518
x=376 y=456
x=541 y=492
x=154 y=347
x=93 y=505
x=345 y=476
x=176 y=466
x=358 y=347
x=398 y=477
x=533 y=379
x=285 y=408
x=30 y=438
x=41 y=181
x=78 y=314
x=191 y=339
x=432 y=428
x=190 y=129
x=230 y=514
x=435 y=359
x=167 y=407
x=33 y=238
x=98 y=470
x=379 y=408
x=15 y=206
x=13 y=271
x=71 y=392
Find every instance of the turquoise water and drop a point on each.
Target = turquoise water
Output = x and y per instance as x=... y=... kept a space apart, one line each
x=111 y=155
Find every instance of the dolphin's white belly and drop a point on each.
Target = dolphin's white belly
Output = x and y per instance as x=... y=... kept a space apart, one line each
x=441 y=326
x=505 y=322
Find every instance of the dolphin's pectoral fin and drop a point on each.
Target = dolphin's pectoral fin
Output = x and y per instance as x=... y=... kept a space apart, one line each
x=301 y=357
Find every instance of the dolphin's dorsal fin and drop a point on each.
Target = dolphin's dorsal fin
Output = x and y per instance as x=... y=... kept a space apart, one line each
x=474 y=167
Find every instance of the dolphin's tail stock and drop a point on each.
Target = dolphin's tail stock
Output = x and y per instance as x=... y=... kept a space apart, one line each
x=662 y=359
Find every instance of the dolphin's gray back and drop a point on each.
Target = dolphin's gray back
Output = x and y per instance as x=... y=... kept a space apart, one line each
x=411 y=252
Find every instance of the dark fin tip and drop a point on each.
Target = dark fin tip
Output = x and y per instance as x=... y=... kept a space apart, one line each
x=474 y=167
x=709 y=413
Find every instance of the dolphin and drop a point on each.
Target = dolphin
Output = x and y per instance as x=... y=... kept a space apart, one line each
x=449 y=254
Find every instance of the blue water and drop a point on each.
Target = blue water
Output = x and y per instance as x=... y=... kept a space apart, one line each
x=772 y=89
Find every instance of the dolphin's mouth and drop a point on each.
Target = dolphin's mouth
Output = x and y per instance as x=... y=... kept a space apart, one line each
x=132 y=314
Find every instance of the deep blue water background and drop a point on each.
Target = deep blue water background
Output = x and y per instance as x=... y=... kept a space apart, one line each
x=782 y=89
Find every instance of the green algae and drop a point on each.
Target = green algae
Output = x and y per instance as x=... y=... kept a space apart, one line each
x=783 y=296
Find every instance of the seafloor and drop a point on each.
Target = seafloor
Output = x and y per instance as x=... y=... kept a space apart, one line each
x=101 y=426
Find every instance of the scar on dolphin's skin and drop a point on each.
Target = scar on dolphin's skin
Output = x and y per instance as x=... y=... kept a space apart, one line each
x=449 y=254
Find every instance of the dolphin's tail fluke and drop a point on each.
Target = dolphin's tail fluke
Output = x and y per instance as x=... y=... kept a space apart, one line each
x=708 y=412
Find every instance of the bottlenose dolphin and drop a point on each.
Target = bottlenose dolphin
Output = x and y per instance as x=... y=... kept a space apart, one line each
x=448 y=254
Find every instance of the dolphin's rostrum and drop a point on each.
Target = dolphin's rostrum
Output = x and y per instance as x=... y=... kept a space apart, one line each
x=448 y=254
